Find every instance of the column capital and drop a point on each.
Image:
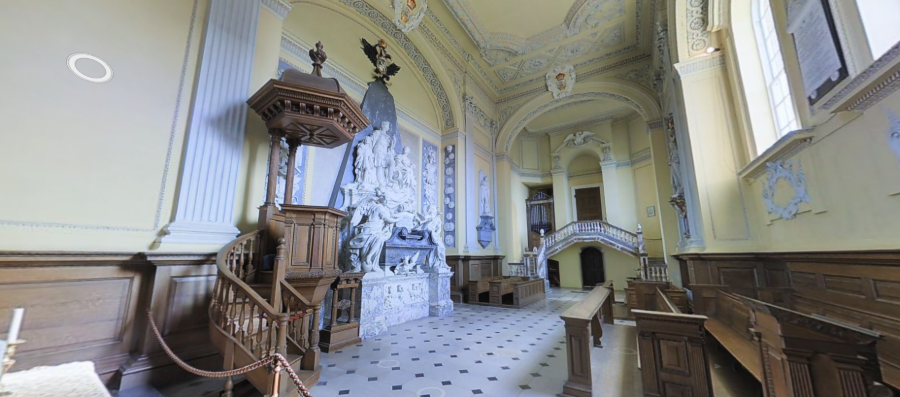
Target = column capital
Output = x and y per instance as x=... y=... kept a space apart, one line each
x=280 y=8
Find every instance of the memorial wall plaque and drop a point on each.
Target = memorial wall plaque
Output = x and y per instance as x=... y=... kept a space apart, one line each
x=822 y=64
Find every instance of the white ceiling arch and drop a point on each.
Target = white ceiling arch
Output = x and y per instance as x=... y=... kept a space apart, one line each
x=635 y=96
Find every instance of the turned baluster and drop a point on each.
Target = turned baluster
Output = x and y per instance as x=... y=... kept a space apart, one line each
x=352 y=304
x=335 y=299
x=281 y=337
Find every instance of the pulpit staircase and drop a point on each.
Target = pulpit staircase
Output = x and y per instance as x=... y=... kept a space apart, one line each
x=595 y=231
x=255 y=314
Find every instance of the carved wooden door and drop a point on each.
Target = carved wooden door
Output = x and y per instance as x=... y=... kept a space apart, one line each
x=587 y=204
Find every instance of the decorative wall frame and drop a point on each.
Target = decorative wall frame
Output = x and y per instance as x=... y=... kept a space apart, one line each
x=893 y=135
x=792 y=172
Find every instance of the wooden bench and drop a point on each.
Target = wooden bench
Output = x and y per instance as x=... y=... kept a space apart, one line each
x=527 y=292
x=478 y=287
x=791 y=353
x=583 y=332
x=671 y=349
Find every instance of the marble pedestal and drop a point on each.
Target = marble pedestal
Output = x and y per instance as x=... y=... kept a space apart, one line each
x=392 y=300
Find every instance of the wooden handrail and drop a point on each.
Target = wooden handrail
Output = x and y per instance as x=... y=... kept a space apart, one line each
x=583 y=331
x=225 y=272
x=664 y=302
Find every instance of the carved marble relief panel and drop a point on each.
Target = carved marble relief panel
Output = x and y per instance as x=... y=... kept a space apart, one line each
x=450 y=195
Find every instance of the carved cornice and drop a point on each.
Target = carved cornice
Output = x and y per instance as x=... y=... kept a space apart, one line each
x=700 y=64
x=279 y=7
x=656 y=125
x=788 y=146
x=481 y=118
x=880 y=66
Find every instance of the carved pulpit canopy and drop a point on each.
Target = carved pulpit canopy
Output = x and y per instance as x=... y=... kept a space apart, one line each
x=311 y=109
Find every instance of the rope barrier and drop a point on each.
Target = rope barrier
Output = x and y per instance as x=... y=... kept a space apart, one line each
x=275 y=358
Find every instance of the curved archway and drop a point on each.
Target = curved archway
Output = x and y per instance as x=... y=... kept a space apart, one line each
x=639 y=98
x=428 y=68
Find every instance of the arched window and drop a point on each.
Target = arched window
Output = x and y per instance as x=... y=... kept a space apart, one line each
x=783 y=112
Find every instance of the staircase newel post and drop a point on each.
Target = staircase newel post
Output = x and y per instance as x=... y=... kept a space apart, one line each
x=278 y=275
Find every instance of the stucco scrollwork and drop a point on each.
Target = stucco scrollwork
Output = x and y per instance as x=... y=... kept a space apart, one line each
x=791 y=172
x=697 y=21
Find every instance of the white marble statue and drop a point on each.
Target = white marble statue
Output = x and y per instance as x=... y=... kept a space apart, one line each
x=485 y=193
x=674 y=159
x=373 y=223
x=383 y=147
x=408 y=265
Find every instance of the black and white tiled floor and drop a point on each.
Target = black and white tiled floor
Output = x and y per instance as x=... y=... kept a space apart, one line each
x=480 y=350
x=483 y=351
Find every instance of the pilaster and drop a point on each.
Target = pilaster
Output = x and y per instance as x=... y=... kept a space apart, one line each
x=662 y=175
x=561 y=201
x=712 y=131
x=205 y=207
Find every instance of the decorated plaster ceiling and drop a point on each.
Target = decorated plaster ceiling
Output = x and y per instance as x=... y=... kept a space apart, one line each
x=519 y=42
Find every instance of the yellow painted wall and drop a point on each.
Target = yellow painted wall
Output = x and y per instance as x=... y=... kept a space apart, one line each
x=616 y=265
x=89 y=166
x=308 y=21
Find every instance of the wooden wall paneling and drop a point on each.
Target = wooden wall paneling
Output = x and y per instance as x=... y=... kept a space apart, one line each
x=78 y=307
x=92 y=307
x=181 y=290
x=467 y=268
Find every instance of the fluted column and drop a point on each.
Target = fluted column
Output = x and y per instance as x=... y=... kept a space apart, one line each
x=205 y=208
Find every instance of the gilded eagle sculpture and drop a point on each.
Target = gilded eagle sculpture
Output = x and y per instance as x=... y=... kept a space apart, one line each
x=384 y=66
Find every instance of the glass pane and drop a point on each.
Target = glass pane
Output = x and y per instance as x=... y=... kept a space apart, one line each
x=880 y=19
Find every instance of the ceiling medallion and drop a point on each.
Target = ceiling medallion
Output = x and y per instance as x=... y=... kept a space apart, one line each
x=408 y=14
x=561 y=80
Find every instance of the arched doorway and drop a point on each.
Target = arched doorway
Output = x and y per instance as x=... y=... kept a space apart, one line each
x=592 y=267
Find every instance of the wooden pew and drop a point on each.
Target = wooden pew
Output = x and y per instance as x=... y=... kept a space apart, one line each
x=792 y=353
x=478 y=287
x=672 y=350
x=527 y=292
x=641 y=295
x=729 y=323
x=583 y=332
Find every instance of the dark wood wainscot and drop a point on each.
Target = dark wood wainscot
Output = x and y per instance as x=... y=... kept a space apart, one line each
x=467 y=268
x=92 y=306
x=857 y=288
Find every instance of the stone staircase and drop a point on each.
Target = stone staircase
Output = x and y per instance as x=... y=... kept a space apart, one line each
x=596 y=231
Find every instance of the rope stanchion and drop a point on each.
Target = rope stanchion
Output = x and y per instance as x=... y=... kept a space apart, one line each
x=239 y=371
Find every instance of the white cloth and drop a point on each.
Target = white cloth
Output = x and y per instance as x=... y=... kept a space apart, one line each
x=71 y=379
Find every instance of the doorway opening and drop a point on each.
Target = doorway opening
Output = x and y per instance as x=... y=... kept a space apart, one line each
x=588 y=205
x=592 y=273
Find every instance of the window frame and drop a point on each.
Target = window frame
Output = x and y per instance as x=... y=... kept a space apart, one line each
x=784 y=105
